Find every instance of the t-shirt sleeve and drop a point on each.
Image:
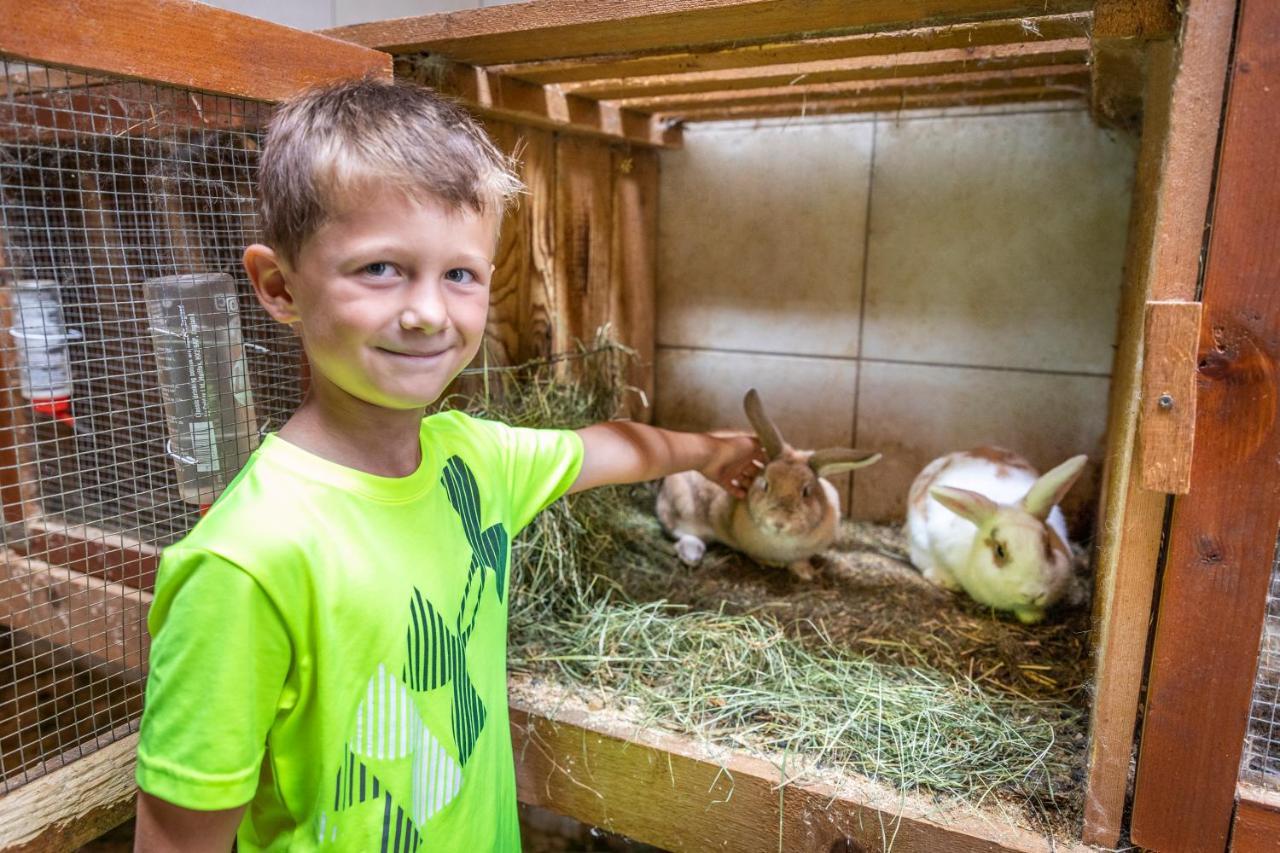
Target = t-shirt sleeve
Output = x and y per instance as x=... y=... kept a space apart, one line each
x=220 y=655
x=541 y=465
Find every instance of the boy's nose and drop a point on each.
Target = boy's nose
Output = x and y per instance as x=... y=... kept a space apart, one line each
x=425 y=309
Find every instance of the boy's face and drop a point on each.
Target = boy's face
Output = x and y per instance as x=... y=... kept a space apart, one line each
x=391 y=297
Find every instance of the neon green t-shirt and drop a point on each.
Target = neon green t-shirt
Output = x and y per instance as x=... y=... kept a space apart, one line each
x=330 y=646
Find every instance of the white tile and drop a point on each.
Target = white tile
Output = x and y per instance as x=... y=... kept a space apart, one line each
x=997 y=240
x=360 y=11
x=810 y=399
x=915 y=413
x=760 y=239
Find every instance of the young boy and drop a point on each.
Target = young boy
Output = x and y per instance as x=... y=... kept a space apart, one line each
x=328 y=664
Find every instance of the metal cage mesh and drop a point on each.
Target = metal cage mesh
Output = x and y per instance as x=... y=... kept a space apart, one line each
x=136 y=373
x=1261 y=762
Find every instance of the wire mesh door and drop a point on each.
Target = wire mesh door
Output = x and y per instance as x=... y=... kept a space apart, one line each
x=1260 y=762
x=137 y=372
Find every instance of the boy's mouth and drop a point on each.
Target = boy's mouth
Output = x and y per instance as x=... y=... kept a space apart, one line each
x=421 y=355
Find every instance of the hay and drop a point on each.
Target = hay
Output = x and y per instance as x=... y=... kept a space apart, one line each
x=868 y=670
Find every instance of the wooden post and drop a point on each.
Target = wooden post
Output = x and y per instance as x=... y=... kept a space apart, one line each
x=1223 y=535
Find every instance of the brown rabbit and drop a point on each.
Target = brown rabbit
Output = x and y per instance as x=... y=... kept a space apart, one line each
x=790 y=512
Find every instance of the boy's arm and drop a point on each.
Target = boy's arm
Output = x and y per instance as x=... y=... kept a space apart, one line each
x=163 y=827
x=627 y=452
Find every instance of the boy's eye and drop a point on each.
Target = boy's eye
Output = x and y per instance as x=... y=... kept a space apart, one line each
x=460 y=276
x=379 y=269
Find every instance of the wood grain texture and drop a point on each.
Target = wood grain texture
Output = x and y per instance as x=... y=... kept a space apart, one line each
x=98 y=553
x=814 y=49
x=72 y=804
x=184 y=44
x=583 y=239
x=1167 y=234
x=1256 y=828
x=568 y=28
x=1223 y=534
x=1168 y=419
x=664 y=790
x=539 y=304
x=1121 y=29
x=634 y=270
x=101 y=620
x=908 y=64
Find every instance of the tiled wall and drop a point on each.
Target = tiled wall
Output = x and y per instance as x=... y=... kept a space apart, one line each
x=911 y=284
x=321 y=14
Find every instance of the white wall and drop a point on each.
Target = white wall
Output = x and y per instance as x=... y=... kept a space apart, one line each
x=321 y=14
x=913 y=284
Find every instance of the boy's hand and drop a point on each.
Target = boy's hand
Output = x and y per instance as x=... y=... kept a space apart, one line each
x=736 y=459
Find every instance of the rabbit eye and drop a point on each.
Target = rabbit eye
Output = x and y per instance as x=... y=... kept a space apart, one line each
x=764 y=484
x=807 y=490
x=1001 y=554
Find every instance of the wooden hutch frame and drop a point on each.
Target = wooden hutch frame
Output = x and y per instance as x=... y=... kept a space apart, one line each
x=597 y=89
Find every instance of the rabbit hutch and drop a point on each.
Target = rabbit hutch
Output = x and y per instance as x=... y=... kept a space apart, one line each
x=916 y=226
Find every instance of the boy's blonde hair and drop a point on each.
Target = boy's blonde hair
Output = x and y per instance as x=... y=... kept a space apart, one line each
x=330 y=141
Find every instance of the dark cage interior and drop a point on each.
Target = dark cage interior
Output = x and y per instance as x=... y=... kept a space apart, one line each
x=114 y=195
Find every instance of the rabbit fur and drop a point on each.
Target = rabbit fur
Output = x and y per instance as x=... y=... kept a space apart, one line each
x=790 y=513
x=985 y=521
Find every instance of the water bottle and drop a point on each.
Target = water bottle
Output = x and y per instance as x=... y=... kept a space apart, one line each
x=212 y=426
x=42 y=336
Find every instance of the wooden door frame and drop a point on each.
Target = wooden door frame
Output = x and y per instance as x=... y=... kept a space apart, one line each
x=1222 y=538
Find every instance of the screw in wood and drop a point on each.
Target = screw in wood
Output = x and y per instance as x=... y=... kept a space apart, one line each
x=1165 y=401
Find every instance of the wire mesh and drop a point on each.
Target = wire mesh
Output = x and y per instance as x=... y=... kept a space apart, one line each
x=137 y=372
x=1261 y=759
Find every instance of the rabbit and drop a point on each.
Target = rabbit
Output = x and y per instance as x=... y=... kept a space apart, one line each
x=985 y=521
x=790 y=512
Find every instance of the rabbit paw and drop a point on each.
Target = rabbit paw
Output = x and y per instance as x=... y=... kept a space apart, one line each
x=690 y=550
x=802 y=569
x=1029 y=615
x=941 y=577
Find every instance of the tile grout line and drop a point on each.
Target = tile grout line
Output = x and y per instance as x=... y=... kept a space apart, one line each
x=1084 y=374
x=862 y=301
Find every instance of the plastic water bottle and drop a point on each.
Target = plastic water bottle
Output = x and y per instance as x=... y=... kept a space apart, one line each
x=195 y=327
x=40 y=331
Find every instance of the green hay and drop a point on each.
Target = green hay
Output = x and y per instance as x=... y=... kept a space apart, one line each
x=595 y=585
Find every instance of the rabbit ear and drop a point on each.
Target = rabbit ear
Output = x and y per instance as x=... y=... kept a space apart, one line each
x=834 y=460
x=768 y=434
x=1052 y=487
x=964 y=503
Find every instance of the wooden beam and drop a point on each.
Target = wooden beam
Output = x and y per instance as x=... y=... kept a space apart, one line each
x=813 y=49
x=104 y=621
x=1121 y=30
x=567 y=28
x=91 y=551
x=1256 y=828
x=1073 y=77
x=509 y=99
x=669 y=791
x=75 y=803
x=1223 y=537
x=920 y=63
x=183 y=44
x=1167 y=237
x=1168 y=419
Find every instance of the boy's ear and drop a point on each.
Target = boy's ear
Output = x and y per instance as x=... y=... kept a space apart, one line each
x=266 y=271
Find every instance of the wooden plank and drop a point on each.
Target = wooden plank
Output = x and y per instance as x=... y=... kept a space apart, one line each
x=1121 y=29
x=666 y=790
x=91 y=551
x=1053 y=77
x=1167 y=235
x=1168 y=420
x=1223 y=536
x=634 y=270
x=810 y=49
x=509 y=99
x=513 y=266
x=186 y=44
x=911 y=64
x=567 y=28
x=887 y=104
x=583 y=239
x=72 y=804
x=103 y=621
x=1256 y=828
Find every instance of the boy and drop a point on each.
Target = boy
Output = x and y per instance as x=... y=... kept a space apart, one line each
x=328 y=664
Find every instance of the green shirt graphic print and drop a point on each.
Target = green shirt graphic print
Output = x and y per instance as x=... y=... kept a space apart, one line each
x=330 y=646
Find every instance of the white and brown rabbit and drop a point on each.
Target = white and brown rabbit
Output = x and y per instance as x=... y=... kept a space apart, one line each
x=790 y=512
x=985 y=521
